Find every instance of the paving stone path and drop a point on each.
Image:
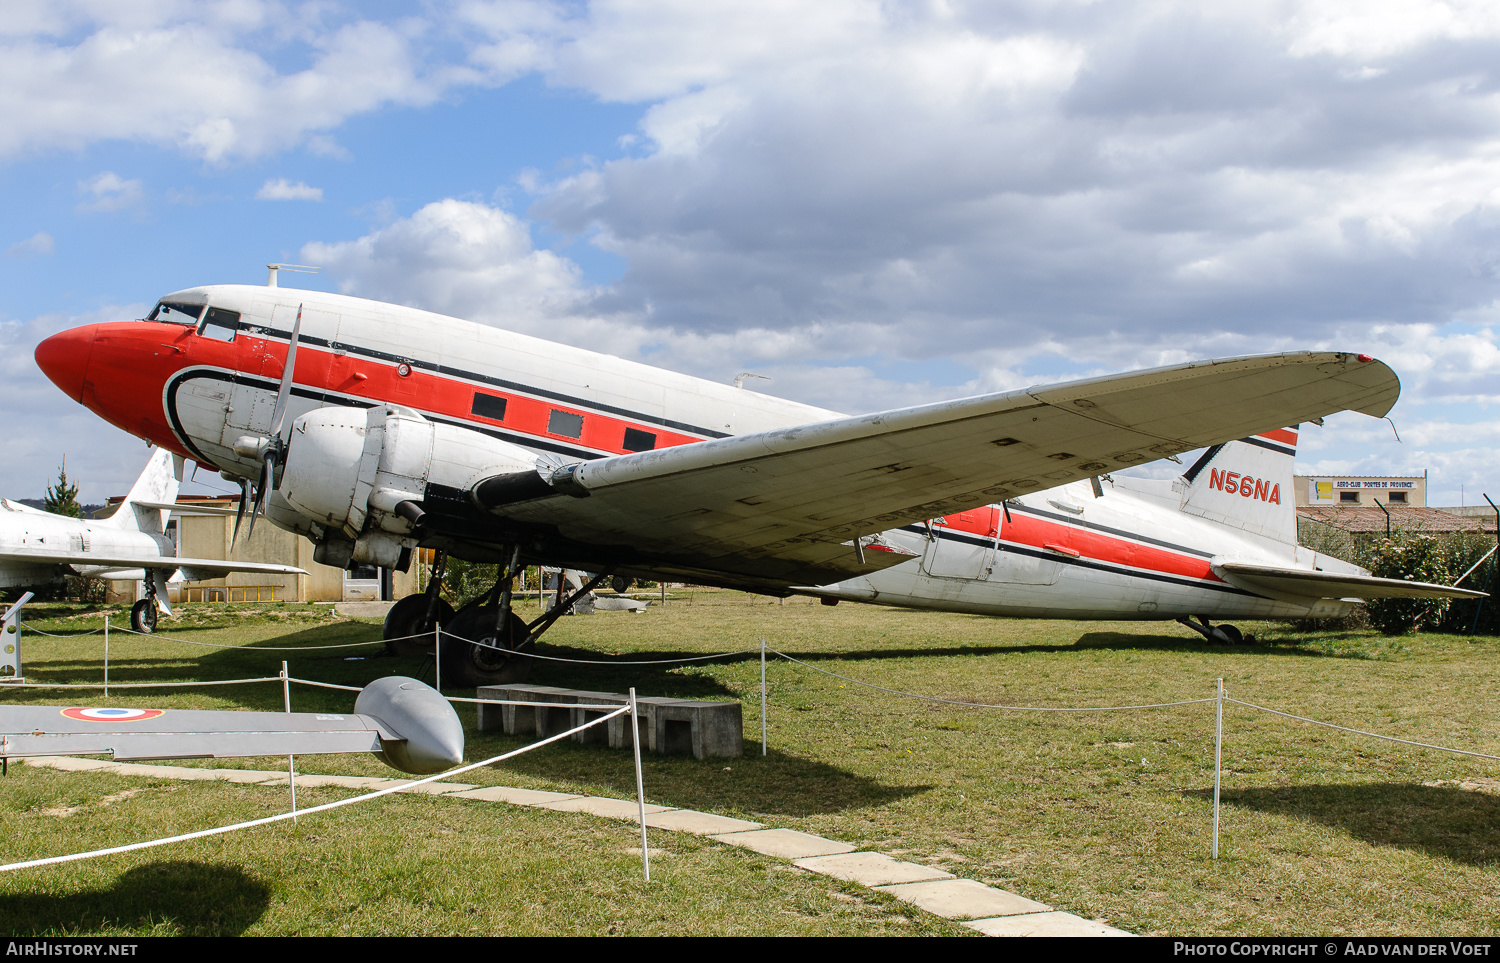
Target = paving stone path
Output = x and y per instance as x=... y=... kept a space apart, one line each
x=991 y=911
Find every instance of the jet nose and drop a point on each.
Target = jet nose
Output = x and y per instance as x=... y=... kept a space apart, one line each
x=64 y=358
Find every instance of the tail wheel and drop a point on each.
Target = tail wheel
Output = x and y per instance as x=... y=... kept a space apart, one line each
x=474 y=654
x=143 y=616
x=408 y=618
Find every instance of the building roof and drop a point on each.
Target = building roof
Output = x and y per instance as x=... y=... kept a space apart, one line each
x=1403 y=518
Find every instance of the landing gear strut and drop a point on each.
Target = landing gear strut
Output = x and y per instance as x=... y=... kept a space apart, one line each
x=481 y=645
x=409 y=623
x=143 y=613
x=1225 y=634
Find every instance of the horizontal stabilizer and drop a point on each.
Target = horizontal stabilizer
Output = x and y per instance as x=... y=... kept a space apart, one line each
x=417 y=730
x=1300 y=585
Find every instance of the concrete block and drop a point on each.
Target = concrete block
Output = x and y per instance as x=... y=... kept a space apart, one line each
x=625 y=809
x=621 y=734
x=315 y=781
x=517 y=797
x=703 y=728
x=960 y=899
x=1044 y=924
x=516 y=720
x=699 y=824
x=784 y=843
x=871 y=869
x=596 y=735
x=438 y=788
x=66 y=763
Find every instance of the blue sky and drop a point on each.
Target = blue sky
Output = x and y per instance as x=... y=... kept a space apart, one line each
x=872 y=204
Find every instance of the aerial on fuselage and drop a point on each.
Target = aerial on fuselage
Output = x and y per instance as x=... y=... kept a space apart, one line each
x=396 y=428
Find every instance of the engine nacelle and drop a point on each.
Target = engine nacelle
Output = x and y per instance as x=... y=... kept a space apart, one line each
x=358 y=473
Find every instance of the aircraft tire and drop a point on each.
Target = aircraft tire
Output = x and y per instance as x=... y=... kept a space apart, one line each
x=1228 y=634
x=143 y=617
x=408 y=617
x=620 y=583
x=473 y=658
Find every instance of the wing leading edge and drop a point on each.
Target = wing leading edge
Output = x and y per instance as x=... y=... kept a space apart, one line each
x=784 y=505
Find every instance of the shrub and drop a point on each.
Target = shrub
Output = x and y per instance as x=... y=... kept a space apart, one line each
x=1413 y=558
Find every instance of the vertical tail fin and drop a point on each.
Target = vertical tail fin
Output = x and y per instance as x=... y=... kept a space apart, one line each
x=158 y=484
x=1246 y=484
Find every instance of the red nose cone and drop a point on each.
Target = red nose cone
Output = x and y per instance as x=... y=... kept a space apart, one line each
x=65 y=359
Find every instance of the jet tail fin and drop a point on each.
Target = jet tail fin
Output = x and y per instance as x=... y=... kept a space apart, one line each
x=158 y=484
x=1246 y=484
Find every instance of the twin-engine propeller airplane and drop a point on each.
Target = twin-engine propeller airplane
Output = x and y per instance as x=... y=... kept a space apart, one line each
x=374 y=429
x=38 y=548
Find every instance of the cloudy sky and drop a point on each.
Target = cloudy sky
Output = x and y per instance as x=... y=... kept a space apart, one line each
x=872 y=204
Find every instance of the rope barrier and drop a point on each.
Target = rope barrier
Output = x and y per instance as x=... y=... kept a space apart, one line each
x=138 y=685
x=981 y=705
x=1362 y=732
x=557 y=658
x=59 y=635
x=280 y=817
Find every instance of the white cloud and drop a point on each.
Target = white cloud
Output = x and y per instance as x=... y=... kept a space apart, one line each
x=109 y=191
x=39 y=243
x=284 y=190
x=206 y=79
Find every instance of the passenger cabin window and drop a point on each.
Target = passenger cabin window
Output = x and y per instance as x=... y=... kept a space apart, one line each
x=637 y=440
x=565 y=423
x=176 y=313
x=220 y=324
x=489 y=406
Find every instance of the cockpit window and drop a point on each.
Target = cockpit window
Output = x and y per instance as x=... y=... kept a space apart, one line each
x=176 y=313
x=220 y=324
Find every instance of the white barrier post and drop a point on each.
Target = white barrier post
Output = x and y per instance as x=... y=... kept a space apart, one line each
x=1218 y=755
x=762 y=695
x=106 y=655
x=291 y=773
x=640 y=786
x=437 y=657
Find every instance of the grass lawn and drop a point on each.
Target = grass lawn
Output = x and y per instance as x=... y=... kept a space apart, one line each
x=1104 y=815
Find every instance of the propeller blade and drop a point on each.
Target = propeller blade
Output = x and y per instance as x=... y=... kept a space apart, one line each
x=268 y=471
x=239 y=515
x=285 y=390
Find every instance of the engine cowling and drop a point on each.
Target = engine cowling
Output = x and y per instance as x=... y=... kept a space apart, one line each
x=358 y=473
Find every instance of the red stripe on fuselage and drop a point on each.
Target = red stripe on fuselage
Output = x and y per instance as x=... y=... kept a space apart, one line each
x=136 y=359
x=1032 y=531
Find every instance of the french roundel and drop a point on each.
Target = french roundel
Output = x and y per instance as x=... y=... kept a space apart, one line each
x=112 y=715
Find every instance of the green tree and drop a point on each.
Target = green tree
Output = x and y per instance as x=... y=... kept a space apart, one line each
x=1413 y=558
x=62 y=498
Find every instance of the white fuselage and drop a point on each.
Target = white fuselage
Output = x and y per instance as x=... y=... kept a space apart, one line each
x=1126 y=551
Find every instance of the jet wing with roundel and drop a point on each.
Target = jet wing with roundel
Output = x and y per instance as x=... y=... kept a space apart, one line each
x=787 y=506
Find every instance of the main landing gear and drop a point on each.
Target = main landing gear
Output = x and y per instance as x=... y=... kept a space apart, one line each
x=409 y=623
x=1225 y=634
x=481 y=642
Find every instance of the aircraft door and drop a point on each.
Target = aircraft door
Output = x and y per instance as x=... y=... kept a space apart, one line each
x=1017 y=559
x=963 y=545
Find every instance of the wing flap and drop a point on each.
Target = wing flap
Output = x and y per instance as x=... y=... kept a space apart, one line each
x=1298 y=585
x=771 y=504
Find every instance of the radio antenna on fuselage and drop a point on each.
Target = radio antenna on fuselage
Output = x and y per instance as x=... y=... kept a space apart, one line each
x=298 y=268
